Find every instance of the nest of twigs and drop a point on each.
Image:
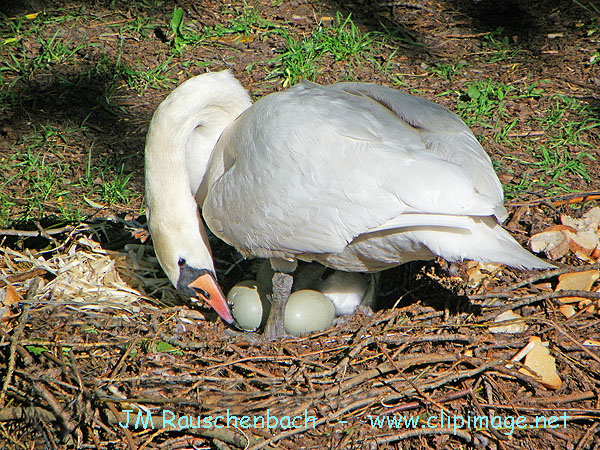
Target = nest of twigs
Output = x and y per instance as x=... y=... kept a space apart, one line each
x=88 y=344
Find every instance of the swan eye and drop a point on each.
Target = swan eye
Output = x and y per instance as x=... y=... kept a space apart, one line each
x=181 y=262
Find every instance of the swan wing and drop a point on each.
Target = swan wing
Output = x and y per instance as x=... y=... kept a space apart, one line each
x=310 y=169
x=442 y=132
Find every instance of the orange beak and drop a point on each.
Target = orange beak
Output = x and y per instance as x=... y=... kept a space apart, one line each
x=212 y=294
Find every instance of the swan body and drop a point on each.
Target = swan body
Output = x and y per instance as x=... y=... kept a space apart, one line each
x=357 y=177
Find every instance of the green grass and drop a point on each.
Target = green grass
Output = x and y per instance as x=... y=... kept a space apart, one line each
x=447 y=71
x=39 y=50
x=244 y=23
x=498 y=48
x=483 y=102
x=563 y=150
x=302 y=56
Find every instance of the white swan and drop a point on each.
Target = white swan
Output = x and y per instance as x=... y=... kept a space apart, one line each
x=355 y=176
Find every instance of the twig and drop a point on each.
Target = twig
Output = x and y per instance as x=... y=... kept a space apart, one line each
x=23 y=276
x=558 y=200
x=530 y=299
x=13 y=348
x=30 y=413
x=589 y=432
x=552 y=273
x=40 y=233
x=415 y=405
x=572 y=339
x=425 y=432
x=56 y=407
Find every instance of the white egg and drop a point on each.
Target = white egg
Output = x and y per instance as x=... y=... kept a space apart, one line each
x=346 y=290
x=247 y=305
x=308 y=311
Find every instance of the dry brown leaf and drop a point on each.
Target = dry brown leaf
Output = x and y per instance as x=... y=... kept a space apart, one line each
x=554 y=243
x=577 y=281
x=475 y=274
x=541 y=364
x=567 y=310
x=590 y=221
x=581 y=236
x=512 y=328
x=12 y=296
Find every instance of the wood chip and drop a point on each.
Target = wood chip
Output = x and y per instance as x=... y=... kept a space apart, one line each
x=541 y=364
x=577 y=281
x=512 y=328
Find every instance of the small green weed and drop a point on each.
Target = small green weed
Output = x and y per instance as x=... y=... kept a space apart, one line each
x=342 y=41
x=482 y=102
x=499 y=47
x=564 y=149
x=447 y=70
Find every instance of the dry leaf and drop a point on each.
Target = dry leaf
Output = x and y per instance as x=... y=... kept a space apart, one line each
x=567 y=310
x=12 y=296
x=591 y=343
x=512 y=328
x=554 y=243
x=581 y=236
x=475 y=274
x=577 y=281
x=589 y=221
x=542 y=364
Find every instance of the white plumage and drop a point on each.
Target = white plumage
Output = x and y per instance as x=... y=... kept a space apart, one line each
x=355 y=176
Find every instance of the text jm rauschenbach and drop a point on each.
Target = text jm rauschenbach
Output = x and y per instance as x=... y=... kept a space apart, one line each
x=169 y=419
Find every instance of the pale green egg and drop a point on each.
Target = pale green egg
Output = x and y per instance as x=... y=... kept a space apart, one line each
x=307 y=311
x=247 y=305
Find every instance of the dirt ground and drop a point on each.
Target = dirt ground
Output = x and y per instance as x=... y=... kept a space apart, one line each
x=72 y=363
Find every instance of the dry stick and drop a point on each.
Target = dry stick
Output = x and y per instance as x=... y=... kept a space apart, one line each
x=12 y=351
x=491 y=429
x=377 y=371
x=448 y=379
x=128 y=436
x=23 y=276
x=121 y=361
x=41 y=232
x=358 y=379
x=425 y=432
x=572 y=339
x=409 y=381
x=577 y=397
x=56 y=407
x=27 y=358
x=530 y=299
x=414 y=405
x=369 y=400
x=552 y=273
x=29 y=413
x=575 y=197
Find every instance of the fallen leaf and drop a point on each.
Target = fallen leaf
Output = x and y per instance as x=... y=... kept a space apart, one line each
x=512 y=328
x=567 y=310
x=591 y=343
x=12 y=296
x=577 y=281
x=581 y=236
x=475 y=271
x=8 y=297
x=93 y=204
x=590 y=221
x=554 y=243
x=541 y=364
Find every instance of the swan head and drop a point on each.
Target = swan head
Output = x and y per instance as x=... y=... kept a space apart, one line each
x=179 y=145
x=182 y=249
